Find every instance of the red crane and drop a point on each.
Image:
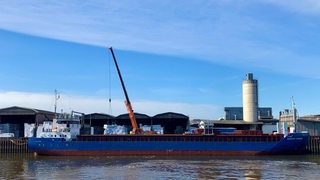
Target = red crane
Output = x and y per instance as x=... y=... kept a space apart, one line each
x=135 y=128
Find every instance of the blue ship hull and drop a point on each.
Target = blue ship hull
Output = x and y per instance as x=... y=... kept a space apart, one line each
x=205 y=145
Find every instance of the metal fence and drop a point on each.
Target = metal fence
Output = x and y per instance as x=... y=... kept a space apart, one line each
x=14 y=145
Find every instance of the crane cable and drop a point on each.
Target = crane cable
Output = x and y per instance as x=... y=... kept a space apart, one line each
x=109 y=62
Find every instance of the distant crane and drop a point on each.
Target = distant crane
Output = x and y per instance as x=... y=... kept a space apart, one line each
x=135 y=128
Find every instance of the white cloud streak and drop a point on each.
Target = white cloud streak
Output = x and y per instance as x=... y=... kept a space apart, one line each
x=86 y=104
x=311 y=7
x=224 y=32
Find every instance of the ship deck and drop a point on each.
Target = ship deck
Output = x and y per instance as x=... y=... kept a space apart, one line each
x=186 y=138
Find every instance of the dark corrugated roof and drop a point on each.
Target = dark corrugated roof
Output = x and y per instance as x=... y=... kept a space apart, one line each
x=170 y=115
x=137 y=116
x=98 y=116
x=15 y=110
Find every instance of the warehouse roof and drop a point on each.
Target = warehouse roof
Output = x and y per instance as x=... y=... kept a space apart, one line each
x=170 y=115
x=15 y=110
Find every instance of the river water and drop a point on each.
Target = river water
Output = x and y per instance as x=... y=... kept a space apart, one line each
x=21 y=166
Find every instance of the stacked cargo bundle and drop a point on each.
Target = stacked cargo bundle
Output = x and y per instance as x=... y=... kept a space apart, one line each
x=249 y=132
x=114 y=129
x=157 y=129
x=29 y=130
x=12 y=128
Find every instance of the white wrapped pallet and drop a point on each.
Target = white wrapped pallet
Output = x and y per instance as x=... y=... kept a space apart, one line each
x=157 y=129
x=29 y=130
x=6 y=135
x=114 y=129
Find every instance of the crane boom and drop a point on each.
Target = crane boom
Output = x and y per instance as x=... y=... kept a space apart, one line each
x=136 y=129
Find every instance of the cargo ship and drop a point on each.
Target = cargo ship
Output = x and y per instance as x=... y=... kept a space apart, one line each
x=186 y=145
x=140 y=142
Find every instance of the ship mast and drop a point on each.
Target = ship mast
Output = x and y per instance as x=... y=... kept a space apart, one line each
x=294 y=114
x=56 y=98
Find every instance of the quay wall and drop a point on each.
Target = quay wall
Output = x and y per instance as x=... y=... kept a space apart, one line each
x=14 y=145
x=314 y=144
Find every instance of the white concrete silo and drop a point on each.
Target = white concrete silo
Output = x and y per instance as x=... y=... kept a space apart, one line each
x=250 y=99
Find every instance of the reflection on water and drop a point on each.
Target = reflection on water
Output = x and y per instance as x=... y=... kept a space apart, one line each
x=12 y=166
x=22 y=166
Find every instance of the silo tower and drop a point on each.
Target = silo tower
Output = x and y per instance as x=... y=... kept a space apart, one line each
x=250 y=98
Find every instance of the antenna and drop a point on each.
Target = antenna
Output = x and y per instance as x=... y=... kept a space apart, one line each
x=294 y=114
x=56 y=97
x=292 y=102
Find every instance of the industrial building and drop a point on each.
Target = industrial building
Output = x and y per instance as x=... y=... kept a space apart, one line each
x=236 y=113
x=12 y=120
x=310 y=123
x=173 y=123
x=250 y=116
x=286 y=116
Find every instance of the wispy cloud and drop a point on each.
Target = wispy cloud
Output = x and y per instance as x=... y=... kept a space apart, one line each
x=87 y=104
x=311 y=7
x=227 y=32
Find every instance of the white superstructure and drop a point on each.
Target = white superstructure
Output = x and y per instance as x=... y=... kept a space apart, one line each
x=65 y=126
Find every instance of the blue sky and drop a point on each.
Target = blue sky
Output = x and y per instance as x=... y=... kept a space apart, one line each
x=188 y=57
